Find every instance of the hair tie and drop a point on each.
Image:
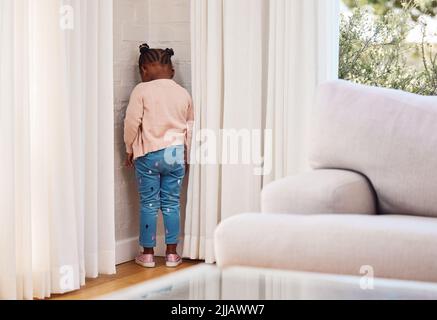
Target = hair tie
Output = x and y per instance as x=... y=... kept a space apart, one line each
x=170 y=52
x=144 y=48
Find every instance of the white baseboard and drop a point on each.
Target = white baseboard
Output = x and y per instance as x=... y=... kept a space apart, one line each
x=127 y=249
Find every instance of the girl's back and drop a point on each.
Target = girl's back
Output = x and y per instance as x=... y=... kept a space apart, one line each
x=165 y=114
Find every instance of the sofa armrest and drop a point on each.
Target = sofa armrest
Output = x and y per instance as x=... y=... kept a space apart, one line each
x=320 y=191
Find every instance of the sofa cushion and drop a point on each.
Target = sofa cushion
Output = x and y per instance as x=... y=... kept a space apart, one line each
x=395 y=246
x=320 y=191
x=387 y=135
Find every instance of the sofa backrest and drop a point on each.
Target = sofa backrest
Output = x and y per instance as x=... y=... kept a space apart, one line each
x=387 y=135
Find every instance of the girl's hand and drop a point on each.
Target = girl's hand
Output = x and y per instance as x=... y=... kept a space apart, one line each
x=186 y=164
x=129 y=163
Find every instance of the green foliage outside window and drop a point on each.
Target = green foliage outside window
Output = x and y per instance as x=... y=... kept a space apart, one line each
x=381 y=7
x=374 y=50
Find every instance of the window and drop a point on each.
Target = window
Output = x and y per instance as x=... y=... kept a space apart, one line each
x=390 y=43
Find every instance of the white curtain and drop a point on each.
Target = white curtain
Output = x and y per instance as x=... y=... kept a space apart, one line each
x=256 y=65
x=303 y=52
x=56 y=122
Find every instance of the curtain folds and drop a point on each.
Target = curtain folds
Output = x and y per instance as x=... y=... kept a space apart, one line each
x=57 y=131
x=205 y=180
x=303 y=52
x=256 y=65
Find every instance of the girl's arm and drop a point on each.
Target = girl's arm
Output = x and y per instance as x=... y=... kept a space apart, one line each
x=189 y=134
x=132 y=122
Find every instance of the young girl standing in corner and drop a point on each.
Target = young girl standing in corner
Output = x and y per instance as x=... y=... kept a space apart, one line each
x=157 y=134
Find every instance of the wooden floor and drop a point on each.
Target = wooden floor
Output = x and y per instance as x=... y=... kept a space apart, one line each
x=128 y=274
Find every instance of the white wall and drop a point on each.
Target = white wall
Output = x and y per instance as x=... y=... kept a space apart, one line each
x=162 y=24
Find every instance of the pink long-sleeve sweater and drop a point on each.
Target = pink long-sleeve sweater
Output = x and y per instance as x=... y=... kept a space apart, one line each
x=159 y=115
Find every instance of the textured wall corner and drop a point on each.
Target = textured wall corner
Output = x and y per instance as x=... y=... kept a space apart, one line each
x=160 y=23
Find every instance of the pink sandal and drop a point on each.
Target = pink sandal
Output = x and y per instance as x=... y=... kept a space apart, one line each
x=172 y=260
x=145 y=260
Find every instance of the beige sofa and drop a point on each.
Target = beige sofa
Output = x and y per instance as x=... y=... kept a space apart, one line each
x=371 y=199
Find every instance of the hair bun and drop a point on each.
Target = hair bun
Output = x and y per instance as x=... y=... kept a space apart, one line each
x=170 y=52
x=144 y=48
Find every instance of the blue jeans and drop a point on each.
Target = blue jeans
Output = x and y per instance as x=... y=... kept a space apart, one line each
x=160 y=175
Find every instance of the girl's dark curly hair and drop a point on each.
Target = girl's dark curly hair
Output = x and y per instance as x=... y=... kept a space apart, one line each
x=148 y=55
